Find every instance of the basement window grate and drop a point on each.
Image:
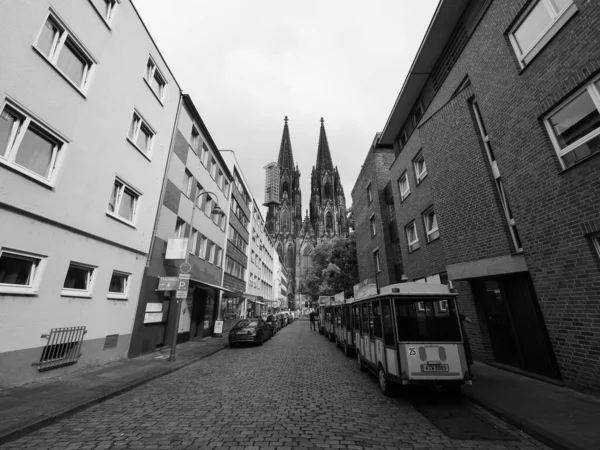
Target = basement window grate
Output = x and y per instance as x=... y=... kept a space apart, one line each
x=62 y=348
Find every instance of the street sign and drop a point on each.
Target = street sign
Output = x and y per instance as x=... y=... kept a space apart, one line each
x=183 y=283
x=185 y=268
x=167 y=283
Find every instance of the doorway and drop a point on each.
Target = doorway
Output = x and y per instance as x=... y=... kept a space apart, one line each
x=515 y=323
x=197 y=318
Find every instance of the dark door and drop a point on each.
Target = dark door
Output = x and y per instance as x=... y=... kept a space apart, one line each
x=209 y=314
x=197 y=314
x=516 y=326
x=502 y=336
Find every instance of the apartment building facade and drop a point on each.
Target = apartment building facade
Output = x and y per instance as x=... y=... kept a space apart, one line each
x=81 y=163
x=375 y=219
x=190 y=226
x=496 y=178
x=260 y=273
x=235 y=276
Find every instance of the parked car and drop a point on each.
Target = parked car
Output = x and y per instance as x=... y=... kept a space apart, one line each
x=254 y=331
x=273 y=323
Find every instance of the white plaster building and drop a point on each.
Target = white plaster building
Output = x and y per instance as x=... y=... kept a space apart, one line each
x=87 y=111
x=262 y=251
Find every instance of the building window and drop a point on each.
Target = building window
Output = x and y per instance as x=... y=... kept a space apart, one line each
x=210 y=252
x=205 y=158
x=202 y=247
x=403 y=139
x=443 y=304
x=420 y=306
x=123 y=201
x=188 y=183
x=27 y=145
x=485 y=138
x=213 y=168
x=411 y=237
x=218 y=256
x=403 y=186
x=106 y=8
x=431 y=225
x=180 y=228
x=19 y=272
x=226 y=188
x=61 y=49
x=575 y=127
x=369 y=194
x=372 y=225
x=155 y=80
x=195 y=138
x=376 y=261
x=420 y=167
x=540 y=22
x=418 y=113
x=141 y=135
x=119 y=285
x=78 y=281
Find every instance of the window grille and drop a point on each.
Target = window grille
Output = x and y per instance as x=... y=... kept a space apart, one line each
x=62 y=348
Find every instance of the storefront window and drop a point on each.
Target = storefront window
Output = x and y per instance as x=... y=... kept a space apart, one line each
x=231 y=308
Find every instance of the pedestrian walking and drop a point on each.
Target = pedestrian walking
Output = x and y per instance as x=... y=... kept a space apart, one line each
x=313 y=320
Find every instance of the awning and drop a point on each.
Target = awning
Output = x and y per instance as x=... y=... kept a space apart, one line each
x=220 y=288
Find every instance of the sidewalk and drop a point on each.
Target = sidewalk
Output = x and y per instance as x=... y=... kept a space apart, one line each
x=27 y=408
x=560 y=417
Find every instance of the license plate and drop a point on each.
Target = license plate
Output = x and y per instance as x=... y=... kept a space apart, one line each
x=434 y=368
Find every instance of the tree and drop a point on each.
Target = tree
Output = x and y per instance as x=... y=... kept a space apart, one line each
x=334 y=269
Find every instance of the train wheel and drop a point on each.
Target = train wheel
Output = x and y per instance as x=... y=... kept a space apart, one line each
x=361 y=366
x=384 y=384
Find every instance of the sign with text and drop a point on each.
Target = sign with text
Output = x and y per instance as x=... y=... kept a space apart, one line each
x=218 y=327
x=183 y=283
x=167 y=283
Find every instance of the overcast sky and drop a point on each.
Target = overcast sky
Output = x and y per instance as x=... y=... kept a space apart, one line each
x=249 y=63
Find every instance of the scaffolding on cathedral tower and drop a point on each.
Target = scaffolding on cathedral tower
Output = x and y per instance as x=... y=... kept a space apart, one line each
x=271 y=184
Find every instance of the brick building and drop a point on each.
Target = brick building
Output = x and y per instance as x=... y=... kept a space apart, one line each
x=496 y=178
x=375 y=219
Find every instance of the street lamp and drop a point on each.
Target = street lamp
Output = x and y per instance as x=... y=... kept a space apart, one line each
x=216 y=210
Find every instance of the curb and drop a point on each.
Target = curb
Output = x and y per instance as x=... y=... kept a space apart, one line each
x=71 y=410
x=549 y=439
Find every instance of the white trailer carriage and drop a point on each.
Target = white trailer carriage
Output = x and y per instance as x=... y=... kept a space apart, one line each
x=411 y=333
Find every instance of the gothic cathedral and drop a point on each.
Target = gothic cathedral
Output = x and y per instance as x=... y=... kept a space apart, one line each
x=296 y=237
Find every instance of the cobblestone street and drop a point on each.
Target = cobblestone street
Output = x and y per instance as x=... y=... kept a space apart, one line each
x=296 y=391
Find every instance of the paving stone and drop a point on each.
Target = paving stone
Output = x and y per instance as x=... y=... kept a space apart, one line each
x=295 y=392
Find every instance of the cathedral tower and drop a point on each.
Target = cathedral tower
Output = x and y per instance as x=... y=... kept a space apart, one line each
x=284 y=217
x=327 y=200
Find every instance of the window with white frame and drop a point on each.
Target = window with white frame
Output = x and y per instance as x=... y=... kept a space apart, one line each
x=140 y=134
x=538 y=24
x=373 y=226
x=431 y=225
x=106 y=9
x=403 y=139
x=28 y=145
x=411 y=236
x=155 y=79
x=420 y=306
x=420 y=167
x=226 y=188
x=369 y=193
x=195 y=138
x=19 y=271
x=195 y=234
x=213 y=168
x=180 y=228
x=443 y=304
x=219 y=256
x=574 y=127
x=208 y=206
x=65 y=52
x=202 y=247
x=123 y=201
x=418 y=113
x=403 y=186
x=210 y=252
x=119 y=285
x=376 y=261
x=188 y=183
x=78 y=280
x=205 y=156
x=200 y=199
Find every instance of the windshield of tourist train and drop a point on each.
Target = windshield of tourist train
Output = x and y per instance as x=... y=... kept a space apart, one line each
x=427 y=320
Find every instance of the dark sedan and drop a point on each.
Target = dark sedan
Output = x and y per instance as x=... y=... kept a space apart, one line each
x=254 y=331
